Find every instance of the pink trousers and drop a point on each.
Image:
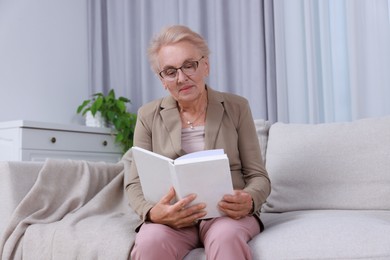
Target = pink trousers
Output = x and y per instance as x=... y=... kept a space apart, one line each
x=223 y=238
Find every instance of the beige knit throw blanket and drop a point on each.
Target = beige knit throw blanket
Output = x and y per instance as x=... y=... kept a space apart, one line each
x=75 y=210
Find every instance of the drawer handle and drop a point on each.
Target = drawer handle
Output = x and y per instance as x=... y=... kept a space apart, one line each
x=53 y=140
x=105 y=143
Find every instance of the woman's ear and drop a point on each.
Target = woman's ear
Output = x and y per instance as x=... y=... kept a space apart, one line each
x=164 y=84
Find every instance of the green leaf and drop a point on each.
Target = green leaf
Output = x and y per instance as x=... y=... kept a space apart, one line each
x=119 y=137
x=93 y=110
x=110 y=116
x=111 y=94
x=99 y=102
x=83 y=105
x=85 y=111
x=123 y=99
x=98 y=95
x=121 y=106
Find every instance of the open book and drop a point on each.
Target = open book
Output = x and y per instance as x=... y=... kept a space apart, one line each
x=205 y=173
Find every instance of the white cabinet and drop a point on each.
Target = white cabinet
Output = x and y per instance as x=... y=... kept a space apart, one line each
x=36 y=141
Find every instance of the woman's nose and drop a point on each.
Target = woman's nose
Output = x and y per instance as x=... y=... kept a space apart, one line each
x=181 y=76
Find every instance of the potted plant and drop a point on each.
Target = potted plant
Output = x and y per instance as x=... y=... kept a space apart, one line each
x=114 y=111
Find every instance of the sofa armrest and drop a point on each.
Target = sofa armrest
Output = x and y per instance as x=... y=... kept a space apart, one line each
x=16 y=179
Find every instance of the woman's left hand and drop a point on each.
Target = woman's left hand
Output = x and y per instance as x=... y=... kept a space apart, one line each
x=236 y=206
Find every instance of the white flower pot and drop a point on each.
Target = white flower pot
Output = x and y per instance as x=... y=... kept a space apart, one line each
x=95 y=121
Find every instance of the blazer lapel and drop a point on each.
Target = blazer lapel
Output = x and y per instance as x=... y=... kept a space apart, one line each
x=215 y=110
x=171 y=121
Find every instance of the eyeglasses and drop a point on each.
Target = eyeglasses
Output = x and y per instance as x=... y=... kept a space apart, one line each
x=188 y=68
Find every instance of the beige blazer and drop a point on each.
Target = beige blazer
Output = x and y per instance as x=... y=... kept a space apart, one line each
x=229 y=125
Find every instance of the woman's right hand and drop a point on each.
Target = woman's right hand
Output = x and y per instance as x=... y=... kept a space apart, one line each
x=177 y=215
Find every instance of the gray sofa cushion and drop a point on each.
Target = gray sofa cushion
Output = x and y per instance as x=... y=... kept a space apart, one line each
x=329 y=166
x=324 y=234
x=320 y=234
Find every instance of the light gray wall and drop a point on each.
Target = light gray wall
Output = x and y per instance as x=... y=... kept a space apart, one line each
x=43 y=60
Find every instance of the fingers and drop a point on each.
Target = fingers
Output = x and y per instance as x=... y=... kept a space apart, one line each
x=188 y=215
x=179 y=214
x=239 y=197
x=238 y=205
x=168 y=197
x=163 y=212
x=183 y=203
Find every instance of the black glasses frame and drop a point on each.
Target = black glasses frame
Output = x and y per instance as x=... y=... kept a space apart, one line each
x=180 y=68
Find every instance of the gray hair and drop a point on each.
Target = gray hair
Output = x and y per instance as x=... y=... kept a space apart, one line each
x=171 y=35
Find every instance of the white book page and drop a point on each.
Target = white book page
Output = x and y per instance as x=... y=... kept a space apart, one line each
x=154 y=173
x=209 y=179
x=200 y=159
x=201 y=154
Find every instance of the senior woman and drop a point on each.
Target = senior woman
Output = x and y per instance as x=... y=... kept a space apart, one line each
x=195 y=117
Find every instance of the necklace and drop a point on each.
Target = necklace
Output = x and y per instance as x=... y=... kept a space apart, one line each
x=191 y=124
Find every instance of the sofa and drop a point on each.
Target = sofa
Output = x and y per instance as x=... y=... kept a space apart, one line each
x=330 y=199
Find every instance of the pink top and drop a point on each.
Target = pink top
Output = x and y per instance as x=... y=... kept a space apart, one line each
x=192 y=140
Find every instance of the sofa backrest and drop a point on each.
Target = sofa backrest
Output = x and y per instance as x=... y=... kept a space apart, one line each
x=262 y=129
x=329 y=166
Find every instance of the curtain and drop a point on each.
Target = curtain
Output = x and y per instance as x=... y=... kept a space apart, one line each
x=239 y=34
x=332 y=59
x=307 y=61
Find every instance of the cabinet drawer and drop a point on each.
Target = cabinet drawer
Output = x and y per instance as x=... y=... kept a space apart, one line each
x=67 y=141
x=42 y=155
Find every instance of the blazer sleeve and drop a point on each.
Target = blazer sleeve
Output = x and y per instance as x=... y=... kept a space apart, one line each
x=257 y=182
x=135 y=196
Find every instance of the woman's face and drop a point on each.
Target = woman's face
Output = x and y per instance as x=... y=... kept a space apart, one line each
x=184 y=88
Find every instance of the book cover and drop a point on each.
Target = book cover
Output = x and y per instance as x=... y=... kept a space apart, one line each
x=205 y=173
